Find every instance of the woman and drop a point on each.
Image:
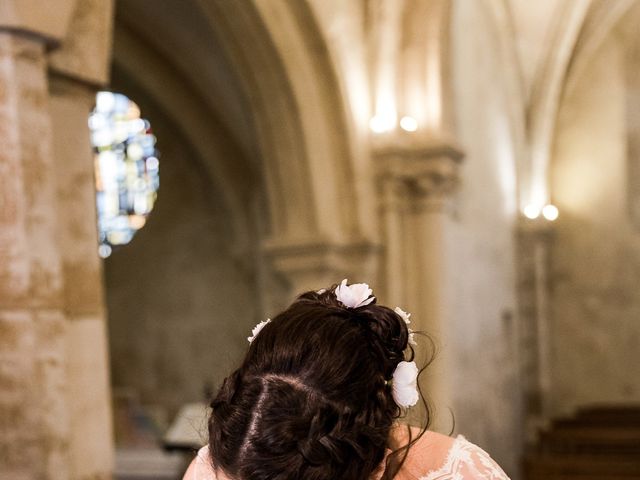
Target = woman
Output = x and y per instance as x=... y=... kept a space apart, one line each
x=318 y=397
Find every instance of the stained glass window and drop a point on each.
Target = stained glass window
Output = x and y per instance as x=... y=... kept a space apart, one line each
x=126 y=169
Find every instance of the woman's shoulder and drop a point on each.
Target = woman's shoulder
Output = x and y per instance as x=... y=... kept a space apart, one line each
x=201 y=467
x=435 y=456
x=428 y=452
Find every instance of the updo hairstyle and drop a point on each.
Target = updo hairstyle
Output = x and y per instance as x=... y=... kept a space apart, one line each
x=312 y=398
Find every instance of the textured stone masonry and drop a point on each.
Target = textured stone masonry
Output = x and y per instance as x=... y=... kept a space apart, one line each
x=34 y=422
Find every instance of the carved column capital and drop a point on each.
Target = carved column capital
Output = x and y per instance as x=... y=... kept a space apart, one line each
x=313 y=263
x=33 y=19
x=423 y=175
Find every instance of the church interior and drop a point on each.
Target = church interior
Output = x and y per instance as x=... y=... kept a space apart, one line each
x=173 y=172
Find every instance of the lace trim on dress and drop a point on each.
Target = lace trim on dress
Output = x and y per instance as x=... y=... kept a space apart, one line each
x=466 y=461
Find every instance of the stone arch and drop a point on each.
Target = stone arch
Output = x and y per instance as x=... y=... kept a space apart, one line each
x=603 y=17
x=579 y=29
x=500 y=18
x=545 y=98
x=143 y=68
x=272 y=143
x=281 y=58
x=319 y=226
x=304 y=158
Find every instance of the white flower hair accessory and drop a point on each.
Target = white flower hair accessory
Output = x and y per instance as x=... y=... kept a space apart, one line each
x=405 y=316
x=354 y=296
x=256 y=330
x=404 y=386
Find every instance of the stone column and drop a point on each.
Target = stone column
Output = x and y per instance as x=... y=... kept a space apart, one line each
x=415 y=182
x=34 y=426
x=534 y=242
x=54 y=395
x=393 y=198
x=89 y=400
x=77 y=70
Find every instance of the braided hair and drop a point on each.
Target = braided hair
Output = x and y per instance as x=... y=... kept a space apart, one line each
x=311 y=399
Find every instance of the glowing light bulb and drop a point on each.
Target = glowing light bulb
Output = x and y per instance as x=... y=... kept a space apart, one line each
x=377 y=124
x=383 y=122
x=409 y=124
x=531 y=211
x=550 y=212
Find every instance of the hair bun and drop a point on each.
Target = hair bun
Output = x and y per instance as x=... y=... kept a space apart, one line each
x=388 y=333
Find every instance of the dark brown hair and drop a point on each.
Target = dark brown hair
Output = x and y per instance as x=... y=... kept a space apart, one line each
x=311 y=399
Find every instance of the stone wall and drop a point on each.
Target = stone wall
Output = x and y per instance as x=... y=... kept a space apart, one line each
x=86 y=340
x=480 y=337
x=34 y=418
x=181 y=298
x=595 y=255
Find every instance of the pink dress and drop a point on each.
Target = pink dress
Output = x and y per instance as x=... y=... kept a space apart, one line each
x=463 y=461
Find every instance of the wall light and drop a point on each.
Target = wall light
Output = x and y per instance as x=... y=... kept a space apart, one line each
x=531 y=211
x=409 y=124
x=381 y=124
x=550 y=212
